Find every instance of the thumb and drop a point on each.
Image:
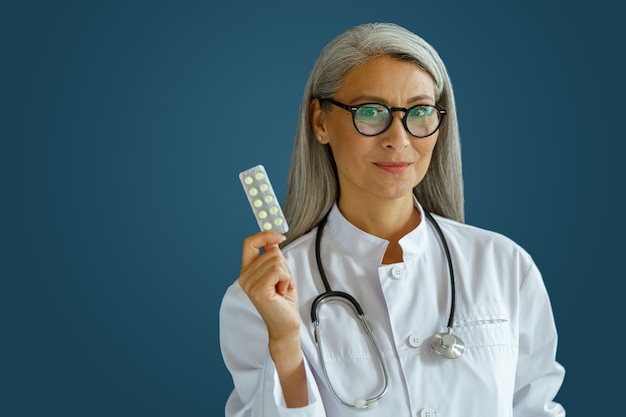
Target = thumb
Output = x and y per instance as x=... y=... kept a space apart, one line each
x=252 y=245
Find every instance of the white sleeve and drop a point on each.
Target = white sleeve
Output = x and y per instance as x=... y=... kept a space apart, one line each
x=539 y=376
x=244 y=346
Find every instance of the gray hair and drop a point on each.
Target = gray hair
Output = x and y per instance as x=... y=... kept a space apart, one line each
x=312 y=186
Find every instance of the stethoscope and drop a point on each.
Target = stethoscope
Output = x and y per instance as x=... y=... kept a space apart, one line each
x=445 y=344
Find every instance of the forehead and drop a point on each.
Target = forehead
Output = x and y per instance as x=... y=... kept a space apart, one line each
x=387 y=77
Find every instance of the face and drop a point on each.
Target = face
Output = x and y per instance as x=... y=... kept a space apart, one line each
x=391 y=164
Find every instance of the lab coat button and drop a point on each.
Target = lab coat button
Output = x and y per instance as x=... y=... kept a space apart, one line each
x=427 y=412
x=415 y=341
x=397 y=272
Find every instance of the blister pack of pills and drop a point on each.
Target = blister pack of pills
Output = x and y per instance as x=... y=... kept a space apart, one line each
x=262 y=198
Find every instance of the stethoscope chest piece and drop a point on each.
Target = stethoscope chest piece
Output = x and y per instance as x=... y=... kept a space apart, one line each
x=447 y=345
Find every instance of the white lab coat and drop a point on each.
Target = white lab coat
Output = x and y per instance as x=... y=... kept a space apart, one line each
x=503 y=315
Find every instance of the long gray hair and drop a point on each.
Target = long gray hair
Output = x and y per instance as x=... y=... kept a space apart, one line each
x=312 y=185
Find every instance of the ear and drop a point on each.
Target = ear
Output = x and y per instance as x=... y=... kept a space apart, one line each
x=318 y=120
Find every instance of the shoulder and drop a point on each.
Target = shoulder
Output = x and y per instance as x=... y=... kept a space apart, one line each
x=302 y=245
x=473 y=233
x=480 y=241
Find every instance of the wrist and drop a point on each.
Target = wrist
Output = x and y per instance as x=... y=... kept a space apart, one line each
x=286 y=352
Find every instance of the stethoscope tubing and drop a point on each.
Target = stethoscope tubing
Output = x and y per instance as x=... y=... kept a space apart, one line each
x=444 y=344
x=346 y=298
x=329 y=292
x=450 y=268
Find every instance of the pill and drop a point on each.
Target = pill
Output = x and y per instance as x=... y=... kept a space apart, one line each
x=262 y=199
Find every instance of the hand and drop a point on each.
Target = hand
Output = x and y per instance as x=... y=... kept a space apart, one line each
x=266 y=279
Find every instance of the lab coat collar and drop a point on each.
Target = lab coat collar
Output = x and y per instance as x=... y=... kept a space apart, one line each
x=368 y=247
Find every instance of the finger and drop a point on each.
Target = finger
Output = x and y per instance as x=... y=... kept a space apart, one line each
x=266 y=271
x=267 y=278
x=252 y=245
x=283 y=287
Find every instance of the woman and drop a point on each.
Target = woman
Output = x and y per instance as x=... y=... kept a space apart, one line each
x=376 y=151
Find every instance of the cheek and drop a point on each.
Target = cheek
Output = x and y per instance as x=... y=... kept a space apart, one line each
x=426 y=146
x=348 y=146
x=346 y=153
x=338 y=128
x=424 y=150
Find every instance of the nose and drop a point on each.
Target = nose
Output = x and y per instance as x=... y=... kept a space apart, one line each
x=396 y=137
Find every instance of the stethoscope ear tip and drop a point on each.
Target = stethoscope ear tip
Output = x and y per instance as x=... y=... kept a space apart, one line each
x=363 y=403
x=360 y=403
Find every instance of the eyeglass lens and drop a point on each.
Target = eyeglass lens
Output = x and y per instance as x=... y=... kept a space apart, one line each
x=373 y=119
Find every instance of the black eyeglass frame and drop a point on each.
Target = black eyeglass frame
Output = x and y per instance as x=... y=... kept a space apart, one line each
x=353 y=109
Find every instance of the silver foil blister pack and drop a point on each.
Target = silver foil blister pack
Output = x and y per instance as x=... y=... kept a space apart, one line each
x=263 y=200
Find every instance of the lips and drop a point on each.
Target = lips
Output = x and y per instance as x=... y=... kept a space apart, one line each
x=393 y=167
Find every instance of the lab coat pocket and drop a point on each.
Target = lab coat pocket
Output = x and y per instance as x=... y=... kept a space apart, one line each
x=485 y=331
x=490 y=356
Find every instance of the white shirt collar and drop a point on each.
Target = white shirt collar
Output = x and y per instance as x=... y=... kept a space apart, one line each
x=367 y=247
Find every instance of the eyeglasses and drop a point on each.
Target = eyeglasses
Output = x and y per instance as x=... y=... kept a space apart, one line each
x=371 y=119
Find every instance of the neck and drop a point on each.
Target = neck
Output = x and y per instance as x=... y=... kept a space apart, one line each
x=387 y=219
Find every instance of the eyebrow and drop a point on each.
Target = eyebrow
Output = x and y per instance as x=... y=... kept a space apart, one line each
x=414 y=99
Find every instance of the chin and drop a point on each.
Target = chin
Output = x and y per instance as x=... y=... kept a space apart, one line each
x=395 y=194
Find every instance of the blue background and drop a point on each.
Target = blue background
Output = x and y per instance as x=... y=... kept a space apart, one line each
x=124 y=126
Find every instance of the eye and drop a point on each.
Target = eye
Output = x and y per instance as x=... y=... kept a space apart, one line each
x=421 y=111
x=372 y=111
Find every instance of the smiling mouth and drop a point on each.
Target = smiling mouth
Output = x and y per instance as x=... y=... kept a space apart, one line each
x=393 y=167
